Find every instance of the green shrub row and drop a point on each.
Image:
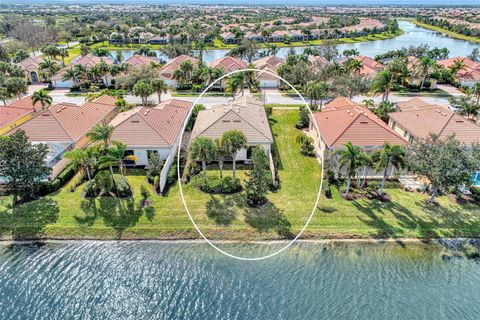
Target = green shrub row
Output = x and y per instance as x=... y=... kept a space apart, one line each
x=217 y=185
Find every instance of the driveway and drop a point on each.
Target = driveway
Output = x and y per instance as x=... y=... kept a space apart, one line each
x=451 y=90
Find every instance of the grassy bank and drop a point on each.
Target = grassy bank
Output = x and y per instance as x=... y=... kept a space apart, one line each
x=66 y=215
x=445 y=31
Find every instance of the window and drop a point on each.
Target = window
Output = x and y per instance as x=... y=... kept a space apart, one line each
x=129 y=162
x=394 y=124
x=249 y=152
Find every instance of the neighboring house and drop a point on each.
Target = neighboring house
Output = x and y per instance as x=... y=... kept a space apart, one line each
x=245 y=114
x=152 y=130
x=420 y=123
x=64 y=127
x=158 y=40
x=17 y=113
x=270 y=64
x=254 y=37
x=342 y=121
x=166 y=72
x=229 y=38
x=296 y=35
x=318 y=62
x=87 y=61
x=228 y=64
x=31 y=66
x=278 y=36
x=370 y=67
x=467 y=76
x=414 y=78
x=415 y=103
x=139 y=60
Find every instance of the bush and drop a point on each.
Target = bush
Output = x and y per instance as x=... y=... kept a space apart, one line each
x=66 y=174
x=216 y=185
x=328 y=193
x=475 y=193
x=269 y=110
x=124 y=191
x=90 y=190
x=55 y=185
x=156 y=183
x=172 y=173
x=104 y=182
x=230 y=185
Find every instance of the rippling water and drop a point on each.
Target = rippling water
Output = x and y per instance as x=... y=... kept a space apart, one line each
x=158 y=280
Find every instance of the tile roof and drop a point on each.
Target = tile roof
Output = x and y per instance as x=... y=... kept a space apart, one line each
x=31 y=63
x=451 y=61
x=167 y=70
x=339 y=103
x=139 y=60
x=151 y=127
x=415 y=103
x=65 y=121
x=442 y=121
x=228 y=63
x=245 y=114
x=370 y=67
x=318 y=60
x=341 y=124
x=17 y=110
x=270 y=63
x=88 y=61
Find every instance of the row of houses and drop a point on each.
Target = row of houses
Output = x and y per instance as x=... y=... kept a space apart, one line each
x=150 y=38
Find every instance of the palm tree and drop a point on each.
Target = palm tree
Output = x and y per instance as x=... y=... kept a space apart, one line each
x=389 y=155
x=316 y=91
x=221 y=153
x=209 y=75
x=200 y=46
x=272 y=50
x=4 y=95
x=236 y=82
x=353 y=66
x=159 y=86
x=82 y=159
x=233 y=142
x=103 y=69
x=43 y=97
x=456 y=66
x=70 y=74
x=476 y=91
x=101 y=133
x=143 y=89
x=63 y=53
x=352 y=158
x=384 y=109
x=426 y=66
x=368 y=103
x=203 y=149
x=50 y=67
x=16 y=86
x=383 y=83
x=116 y=156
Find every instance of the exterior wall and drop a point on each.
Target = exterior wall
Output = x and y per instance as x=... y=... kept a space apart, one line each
x=268 y=83
x=401 y=130
x=62 y=84
x=468 y=83
x=242 y=154
x=142 y=154
x=171 y=82
x=16 y=123
x=58 y=168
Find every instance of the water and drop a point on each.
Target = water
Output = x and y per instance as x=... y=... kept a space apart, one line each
x=158 y=280
x=413 y=36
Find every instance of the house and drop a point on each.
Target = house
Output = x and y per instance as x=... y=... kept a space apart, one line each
x=370 y=67
x=270 y=63
x=88 y=62
x=419 y=123
x=64 y=127
x=17 y=113
x=318 y=62
x=166 y=72
x=278 y=36
x=159 y=40
x=229 y=38
x=254 y=37
x=139 y=60
x=152 y=130
x=415 y=103
x=342 y=121
x=468 y=75
x=245 y=114
x=228 y=64
x=296 y=35
x=31 y=67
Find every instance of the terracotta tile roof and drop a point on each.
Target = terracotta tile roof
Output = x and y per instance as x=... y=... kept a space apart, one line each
x=106 y=99
x=88 y=61
x=370 y=67
x=271 y=64
x=415 y=103
x=17 y=110
x=441 y=121
x=451 y=61
x=245 y=114
x=167 y=70
x=26 y=103
x=139 y=60
x=228 y=64
x=318 y=60
x=65 y=121
x=151 y=127
x=356 y=125
x=31 y=63
x=469 y=74
x=339 y=103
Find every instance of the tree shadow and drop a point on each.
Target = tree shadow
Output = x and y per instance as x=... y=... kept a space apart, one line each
x=268 y=217
x=221 y=210
x=27 y=221
x=327 y=209
x=374 y=211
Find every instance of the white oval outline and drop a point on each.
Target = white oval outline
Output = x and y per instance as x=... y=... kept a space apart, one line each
x=180 y=180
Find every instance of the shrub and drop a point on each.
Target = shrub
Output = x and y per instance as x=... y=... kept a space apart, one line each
x=90 y=190
x=230 y=185
x=156 y=182
x=66 y=174
x=475 y=193
x=328 y=193
x=304 y=120
x=172 y=173
x=216 y=185
x=269 y=110
x=124 y=191
x=55 y=185
x=104 y=182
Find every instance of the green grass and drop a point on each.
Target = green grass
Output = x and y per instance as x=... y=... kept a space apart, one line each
x=66 y=214
x=445 y=31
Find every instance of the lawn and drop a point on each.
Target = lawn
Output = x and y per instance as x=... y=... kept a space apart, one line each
x=445 y=31
x=66 y=214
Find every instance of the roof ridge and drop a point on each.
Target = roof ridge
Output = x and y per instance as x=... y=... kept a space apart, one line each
x=345 y=129
x=151 y=126
x=446 y=123
x=254 y=127
x=59 y=122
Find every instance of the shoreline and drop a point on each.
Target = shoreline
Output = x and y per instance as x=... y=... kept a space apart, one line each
x=445 y=32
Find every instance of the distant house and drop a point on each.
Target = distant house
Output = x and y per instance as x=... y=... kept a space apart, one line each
x=415 y=103
x=278 y=36
x=166 y=72
x=254 y=37
x=146 y=131
x=370 y=67
x=420 y=122
x=228 y=64
x=270 y=64
x=17 y=113
x=296 y=35
x=412 y=66
x=31 y=67
x=139 y=60
x=245 y=114
x=229 y=38
x=64 y=127
x=87 y=61
x=318 y=62
x=342 y=121
x=467 y=76
x=158 y=40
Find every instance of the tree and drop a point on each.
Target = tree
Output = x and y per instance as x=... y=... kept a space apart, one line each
x=474 y=55
x=445 y=162
x=389 y=155
x=368 y=103
x=384 y=109
x=22 y=165
x=304 y=119
x=316 y=91
x=236 y=82
x=272 y=50
x=143 y=89
x=63 y=53
x=353 y=66
x=259 y=178
x=50 y=51
x=20 y=55
x=203 y=149
x=209 y=75
x=101 y=133
x=383 y=83
x=49 y=67
x=221 y=153
x=41 y=96
x=159 y=86
x=103 y=69
x=16 y=86
x=154 y=167
x=83 y=159
x=234 y=141
x=466 y=105
x=351 y=158
x=184 y=73
x=84 y=50
x=426 y=66
x=5 y=95
x=115 y=156
x=456 y=66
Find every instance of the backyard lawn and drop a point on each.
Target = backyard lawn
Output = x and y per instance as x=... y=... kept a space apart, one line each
x=66 y=214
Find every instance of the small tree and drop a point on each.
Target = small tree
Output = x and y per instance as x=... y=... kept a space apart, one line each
x=234 y=141
x=203 y=149
x=42 y=97
x=445 y=162
x=22 y=165
x=351 y=158
x=143 y=89
x=221 y=153
x=304 y=120
x=259 y=178
x=159 y=86
x=116 y=156
x=389 y=155
x=101 y=133
x=16 y=86
x=154 y=167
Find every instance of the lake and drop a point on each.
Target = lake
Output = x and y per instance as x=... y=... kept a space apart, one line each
x=188 y=280
x=413 y=36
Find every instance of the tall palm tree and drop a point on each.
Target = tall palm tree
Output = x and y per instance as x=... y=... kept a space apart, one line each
x=83 y=159
x=316 y=91
x=209 y=75
x=384 y=109
x=352 y=157
x=221 y=153
x=203 y=149
x=456 y=66
x=63 y=53
x=41 y=96
x=389 y=155
x=383 y=82
x=200 y=46
x=426 y=66
x=236 y=82
x=116 y=156
x=159 y=86
x=353 y=66
x=368 y=103
x=233 y=142
x=143 y=89
x=49 y=67
x=103 y=69
x=272 y=50
x=101 y=133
